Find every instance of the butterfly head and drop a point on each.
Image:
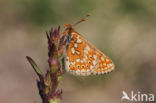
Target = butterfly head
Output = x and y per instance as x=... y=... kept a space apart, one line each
x=67 y=27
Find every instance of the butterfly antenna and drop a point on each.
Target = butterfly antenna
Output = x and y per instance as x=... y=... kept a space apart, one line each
x=83 y=19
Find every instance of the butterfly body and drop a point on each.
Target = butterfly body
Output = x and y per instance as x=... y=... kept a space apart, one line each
x=82 y=58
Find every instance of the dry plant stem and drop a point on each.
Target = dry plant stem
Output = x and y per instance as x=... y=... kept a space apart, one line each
x=47 y=84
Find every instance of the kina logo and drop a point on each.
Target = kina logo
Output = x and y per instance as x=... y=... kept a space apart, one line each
x=137 y=96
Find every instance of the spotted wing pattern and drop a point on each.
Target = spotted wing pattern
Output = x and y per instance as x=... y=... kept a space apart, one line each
x=82 y=58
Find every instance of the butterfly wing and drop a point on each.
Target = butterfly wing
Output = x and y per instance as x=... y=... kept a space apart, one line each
x=82 y=58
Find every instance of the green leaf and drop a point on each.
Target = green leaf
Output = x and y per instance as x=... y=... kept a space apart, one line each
x=34 y=65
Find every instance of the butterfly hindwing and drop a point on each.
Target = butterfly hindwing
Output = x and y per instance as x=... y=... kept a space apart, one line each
x=82 y=58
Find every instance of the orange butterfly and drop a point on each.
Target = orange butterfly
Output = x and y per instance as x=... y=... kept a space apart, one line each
x=82 y=58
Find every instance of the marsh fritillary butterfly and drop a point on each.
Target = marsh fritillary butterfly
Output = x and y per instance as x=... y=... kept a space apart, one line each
x=82 y=58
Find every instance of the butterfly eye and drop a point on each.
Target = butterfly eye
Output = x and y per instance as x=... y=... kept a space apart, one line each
x=78 y=66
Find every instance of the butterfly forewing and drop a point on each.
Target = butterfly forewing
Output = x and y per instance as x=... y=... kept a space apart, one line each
x=82 y=58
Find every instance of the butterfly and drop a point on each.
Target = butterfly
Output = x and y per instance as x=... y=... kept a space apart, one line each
x=83 y=58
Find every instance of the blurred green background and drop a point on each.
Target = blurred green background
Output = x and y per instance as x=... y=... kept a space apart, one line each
x=125 y=30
